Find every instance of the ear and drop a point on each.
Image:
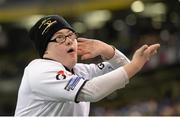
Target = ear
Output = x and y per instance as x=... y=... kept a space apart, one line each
x=46 y=52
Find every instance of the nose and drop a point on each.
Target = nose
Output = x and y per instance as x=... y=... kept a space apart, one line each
x=69 y=41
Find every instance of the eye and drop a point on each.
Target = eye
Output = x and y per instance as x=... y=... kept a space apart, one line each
x=60 y=37
x=70 y=35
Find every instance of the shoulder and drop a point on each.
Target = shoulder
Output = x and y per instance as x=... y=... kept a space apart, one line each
x=84 y=67
x=81 y=66
x=43 y=62
x=43 y=65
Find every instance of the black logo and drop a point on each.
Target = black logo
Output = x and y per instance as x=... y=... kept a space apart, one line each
x=101 y=65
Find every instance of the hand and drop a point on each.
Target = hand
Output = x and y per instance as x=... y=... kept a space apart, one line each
x=90 y=48
x=140 y=57
x=143 y=54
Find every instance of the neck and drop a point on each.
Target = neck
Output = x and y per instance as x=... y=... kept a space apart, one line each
x=67 y=66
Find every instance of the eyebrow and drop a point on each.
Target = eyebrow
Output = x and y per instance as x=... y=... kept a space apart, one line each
x=62 y=33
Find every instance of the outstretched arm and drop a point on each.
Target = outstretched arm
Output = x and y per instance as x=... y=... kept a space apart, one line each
x=101 y=86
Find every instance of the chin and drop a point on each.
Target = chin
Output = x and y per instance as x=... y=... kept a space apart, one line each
x=73 y=61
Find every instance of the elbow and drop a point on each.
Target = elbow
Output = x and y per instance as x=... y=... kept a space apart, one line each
x=96 y=97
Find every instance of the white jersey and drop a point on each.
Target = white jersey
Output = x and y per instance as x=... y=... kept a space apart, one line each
x=50 y=89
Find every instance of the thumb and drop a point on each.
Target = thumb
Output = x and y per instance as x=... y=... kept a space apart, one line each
x=142 y=49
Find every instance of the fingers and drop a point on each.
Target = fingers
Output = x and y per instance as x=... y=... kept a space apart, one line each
x=79 y=52
x=80 y=39
x=153 y=53
x=142 y=49
x=153 y=47
x=86 y=56
x=83 y=49
x=151 y=50
x=84 y=43
x=148 y=51
x=86 y=46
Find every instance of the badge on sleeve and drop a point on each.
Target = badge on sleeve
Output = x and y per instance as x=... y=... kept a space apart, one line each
x=73 y=82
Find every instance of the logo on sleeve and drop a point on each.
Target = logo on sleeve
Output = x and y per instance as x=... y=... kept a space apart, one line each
x=60 y=75
x=100 y=66
x=72 y=83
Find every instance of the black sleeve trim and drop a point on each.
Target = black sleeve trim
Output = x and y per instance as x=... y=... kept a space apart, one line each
x=79 y=91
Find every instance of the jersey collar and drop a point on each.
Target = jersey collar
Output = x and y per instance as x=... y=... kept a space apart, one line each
x=72 y=71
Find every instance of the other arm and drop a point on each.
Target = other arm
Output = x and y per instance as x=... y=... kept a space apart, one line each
x=108 y=83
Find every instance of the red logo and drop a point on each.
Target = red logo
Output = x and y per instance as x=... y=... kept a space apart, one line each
x=60 y=75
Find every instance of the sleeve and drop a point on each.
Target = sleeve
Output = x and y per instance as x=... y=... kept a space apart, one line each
x=101 y=86
x=94 y=89
x=53 y=82
x=118 y=60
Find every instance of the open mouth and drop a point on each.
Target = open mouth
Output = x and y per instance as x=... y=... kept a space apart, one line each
x=70 y=50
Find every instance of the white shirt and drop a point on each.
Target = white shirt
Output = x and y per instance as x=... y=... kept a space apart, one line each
x=49 y=89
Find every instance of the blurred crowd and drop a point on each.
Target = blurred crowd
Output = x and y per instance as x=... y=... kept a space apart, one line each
x=151 y=107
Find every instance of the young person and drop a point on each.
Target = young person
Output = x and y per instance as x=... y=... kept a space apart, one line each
x=56 y=85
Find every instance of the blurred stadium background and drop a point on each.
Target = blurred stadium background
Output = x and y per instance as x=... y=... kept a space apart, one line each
x=126 y=24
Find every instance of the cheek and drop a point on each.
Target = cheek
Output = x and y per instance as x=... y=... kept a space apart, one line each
x=60 y=50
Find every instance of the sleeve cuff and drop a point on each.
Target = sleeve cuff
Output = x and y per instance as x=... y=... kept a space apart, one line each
x=119 y=59
x=76 y=97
